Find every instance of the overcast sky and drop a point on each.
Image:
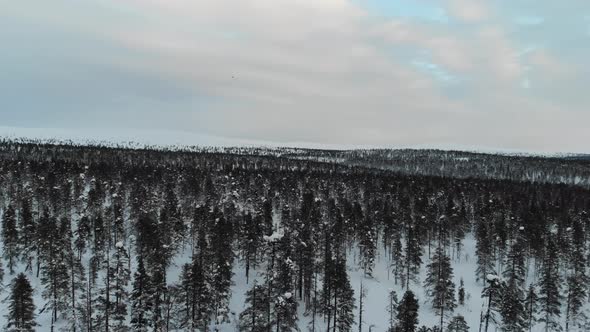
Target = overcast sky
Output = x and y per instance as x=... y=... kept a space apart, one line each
x=509 y=74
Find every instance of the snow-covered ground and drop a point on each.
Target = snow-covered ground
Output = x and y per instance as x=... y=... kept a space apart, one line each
x=375 y=315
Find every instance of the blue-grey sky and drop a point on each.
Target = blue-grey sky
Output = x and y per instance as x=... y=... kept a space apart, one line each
x=510 y=74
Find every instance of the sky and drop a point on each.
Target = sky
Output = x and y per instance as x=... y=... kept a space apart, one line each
x=506 y=74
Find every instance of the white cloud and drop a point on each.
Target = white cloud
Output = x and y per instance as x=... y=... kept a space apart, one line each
x=326 y=71
x=472 y=11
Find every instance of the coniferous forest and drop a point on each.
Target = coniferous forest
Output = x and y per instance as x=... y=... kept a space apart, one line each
x=97 y=238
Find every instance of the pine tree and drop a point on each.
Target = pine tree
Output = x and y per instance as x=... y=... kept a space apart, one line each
x=392 y=306
x=54 y=269
x=10 y=237
x=83 y=232
x=343 y=298
x=252 y=233
x=492 y=292
x=141 y=305
x=21 y=310
x=577 y=279
x=119 y=277
x=284 y=297
x=413 y=256
x=76 y=314
x=549 y=286
x=222 y=259
x=439 y=284
x=514 y=265
x=512 y=295
x=531 y=305
x=344 y=315
x=158 y=297
x=27 y=233
x=484 y=251
x=458 y=324
x=512 y=309
x=253 y=318
x=461 y=293
x=195 y=293
x=398 y=260
x=407 y=313
x=368 y=245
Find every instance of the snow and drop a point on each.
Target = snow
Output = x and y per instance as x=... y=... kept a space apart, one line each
x=492 y=277
x=377 y=289
x=275 y=236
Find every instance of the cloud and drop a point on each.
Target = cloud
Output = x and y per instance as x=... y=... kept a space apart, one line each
x=275 y=70
x=470 y=11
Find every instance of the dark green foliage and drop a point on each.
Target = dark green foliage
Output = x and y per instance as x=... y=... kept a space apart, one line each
x=439 y=282
x=484 y=250
x=21 y=311
x=549 y=287
x=141 y=301
x=253 y=318
x=461 y=293
x=492 y=294
x=10 y=237
x=458 y=324
x=531 y=306
x=407 y=313
x=73 y=204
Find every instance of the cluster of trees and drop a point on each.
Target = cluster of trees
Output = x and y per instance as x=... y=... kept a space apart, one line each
x=101 y=228
x=570 y=169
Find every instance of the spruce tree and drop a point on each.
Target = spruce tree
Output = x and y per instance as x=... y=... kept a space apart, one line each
x=76 y=314
x=407 y=313
x=484 y=250
x=368 y=245
x=54 y=268
x=10 y=237
x=141 y=305
x=492 y=293
x=343 y=298
x=195 y=294
x=21 y=309
x=398 y=260
x=284 y=292
x=222 y=261
x=511 y=305
x=577 y=279
x=439 y=284
x=531 y=305
x=461 y=293
x=392 y=305
x=27 y=233
x=412 y=255
x=512 y=309
x=119 y=278
x=458 y=324
x=549 y=287
x=253 y=319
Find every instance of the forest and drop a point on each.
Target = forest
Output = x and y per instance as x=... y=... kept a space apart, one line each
x=106 y=238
